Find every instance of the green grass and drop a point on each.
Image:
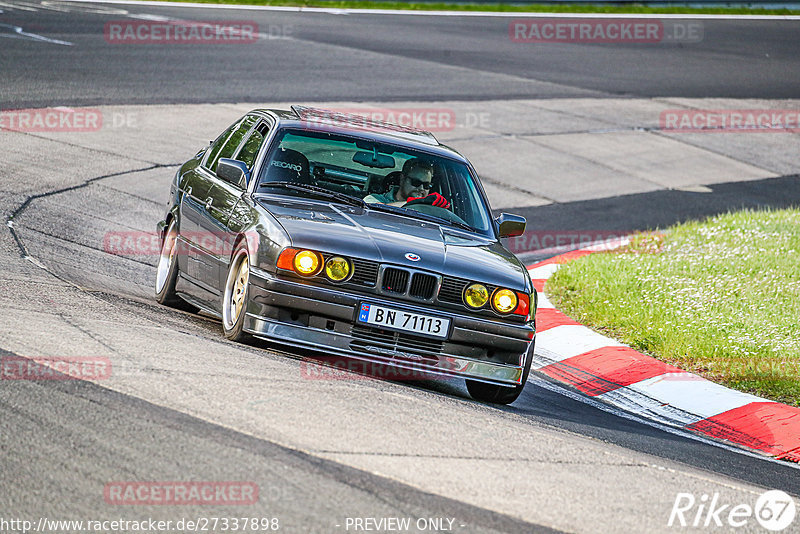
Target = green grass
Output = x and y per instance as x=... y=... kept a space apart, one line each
x=720 y=298
x=513 y=8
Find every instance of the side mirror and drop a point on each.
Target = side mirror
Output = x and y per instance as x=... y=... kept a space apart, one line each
x=233 y=171
x=510 y=225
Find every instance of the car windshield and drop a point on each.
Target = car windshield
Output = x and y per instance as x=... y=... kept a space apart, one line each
x=314 y=163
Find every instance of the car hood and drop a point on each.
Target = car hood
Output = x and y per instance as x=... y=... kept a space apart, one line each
x=390 y=238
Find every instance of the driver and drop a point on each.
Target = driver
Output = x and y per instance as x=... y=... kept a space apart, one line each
x=414 y=187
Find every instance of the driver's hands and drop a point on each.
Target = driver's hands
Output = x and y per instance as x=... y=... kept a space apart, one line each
x=434 y=199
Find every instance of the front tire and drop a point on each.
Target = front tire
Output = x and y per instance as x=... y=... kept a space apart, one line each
x=235 y=298
x=495 y=394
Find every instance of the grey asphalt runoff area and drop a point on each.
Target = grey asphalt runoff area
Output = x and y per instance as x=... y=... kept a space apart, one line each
x=182 y=403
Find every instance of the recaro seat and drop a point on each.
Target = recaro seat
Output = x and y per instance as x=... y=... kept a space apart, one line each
x=288 y=166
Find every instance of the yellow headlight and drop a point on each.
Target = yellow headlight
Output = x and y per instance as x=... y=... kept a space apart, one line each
x=476 y=296
x=337 y=269
x=307 y=263
x=504 y=300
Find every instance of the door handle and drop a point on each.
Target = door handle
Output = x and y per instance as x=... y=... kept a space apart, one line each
x=209 y=201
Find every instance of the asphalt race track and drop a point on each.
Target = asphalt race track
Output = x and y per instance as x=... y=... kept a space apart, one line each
x=184 y=404
x=316 y=56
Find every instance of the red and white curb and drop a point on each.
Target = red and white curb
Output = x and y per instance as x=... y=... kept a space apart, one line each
x=604 y=369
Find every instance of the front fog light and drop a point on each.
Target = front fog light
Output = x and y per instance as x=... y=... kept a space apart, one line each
x=337 y=269
x=476 y=296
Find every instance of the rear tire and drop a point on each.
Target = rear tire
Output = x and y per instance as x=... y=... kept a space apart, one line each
x=495 y=394
x=167 y=271
x=235 y=297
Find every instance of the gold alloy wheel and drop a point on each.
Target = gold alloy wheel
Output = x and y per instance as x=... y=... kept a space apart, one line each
x=235 y=298
x=239 y=289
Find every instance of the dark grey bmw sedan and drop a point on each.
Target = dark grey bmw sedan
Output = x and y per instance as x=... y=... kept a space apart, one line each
x=354 y=237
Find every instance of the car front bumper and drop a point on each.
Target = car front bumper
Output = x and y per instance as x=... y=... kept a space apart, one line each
x=324 y=319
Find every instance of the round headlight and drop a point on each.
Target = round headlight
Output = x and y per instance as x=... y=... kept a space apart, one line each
x=476 y=296
x=504 y=300
x=306 y=263
x=337 y=269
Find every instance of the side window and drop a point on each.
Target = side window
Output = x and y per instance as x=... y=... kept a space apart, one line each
x=211 y=155
x=250 y=149
x=232 y=138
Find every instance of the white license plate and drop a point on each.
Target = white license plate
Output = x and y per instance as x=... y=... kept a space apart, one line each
x=403 y=320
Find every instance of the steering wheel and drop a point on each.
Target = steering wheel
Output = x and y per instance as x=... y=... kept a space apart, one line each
x=436 y=211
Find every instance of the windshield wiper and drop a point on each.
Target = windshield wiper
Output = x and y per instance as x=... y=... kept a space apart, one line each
x=457 y=224
x=413 y=214
x=319 y=191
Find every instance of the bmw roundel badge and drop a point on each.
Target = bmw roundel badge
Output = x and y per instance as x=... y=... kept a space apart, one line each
x=411 y=256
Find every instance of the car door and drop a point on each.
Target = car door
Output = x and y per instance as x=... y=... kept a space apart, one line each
x=217 y=206
x=225 y=196
x=200 y=265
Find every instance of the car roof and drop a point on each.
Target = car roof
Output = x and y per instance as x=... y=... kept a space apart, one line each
x=335 y=122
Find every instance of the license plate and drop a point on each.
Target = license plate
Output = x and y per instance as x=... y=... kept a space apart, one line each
x=403 y=321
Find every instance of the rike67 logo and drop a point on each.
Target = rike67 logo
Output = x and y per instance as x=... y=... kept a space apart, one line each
x=774 y=511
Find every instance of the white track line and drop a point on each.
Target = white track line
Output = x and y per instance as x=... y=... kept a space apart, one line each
x=693 y=394
x=542 y=302
x=16 y=32
x=337 y=11
x=543 y=272
x=566 y=341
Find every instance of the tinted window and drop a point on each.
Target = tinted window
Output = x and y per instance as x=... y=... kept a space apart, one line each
x=229 y=141
x=211 y=154
x=250 y=149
